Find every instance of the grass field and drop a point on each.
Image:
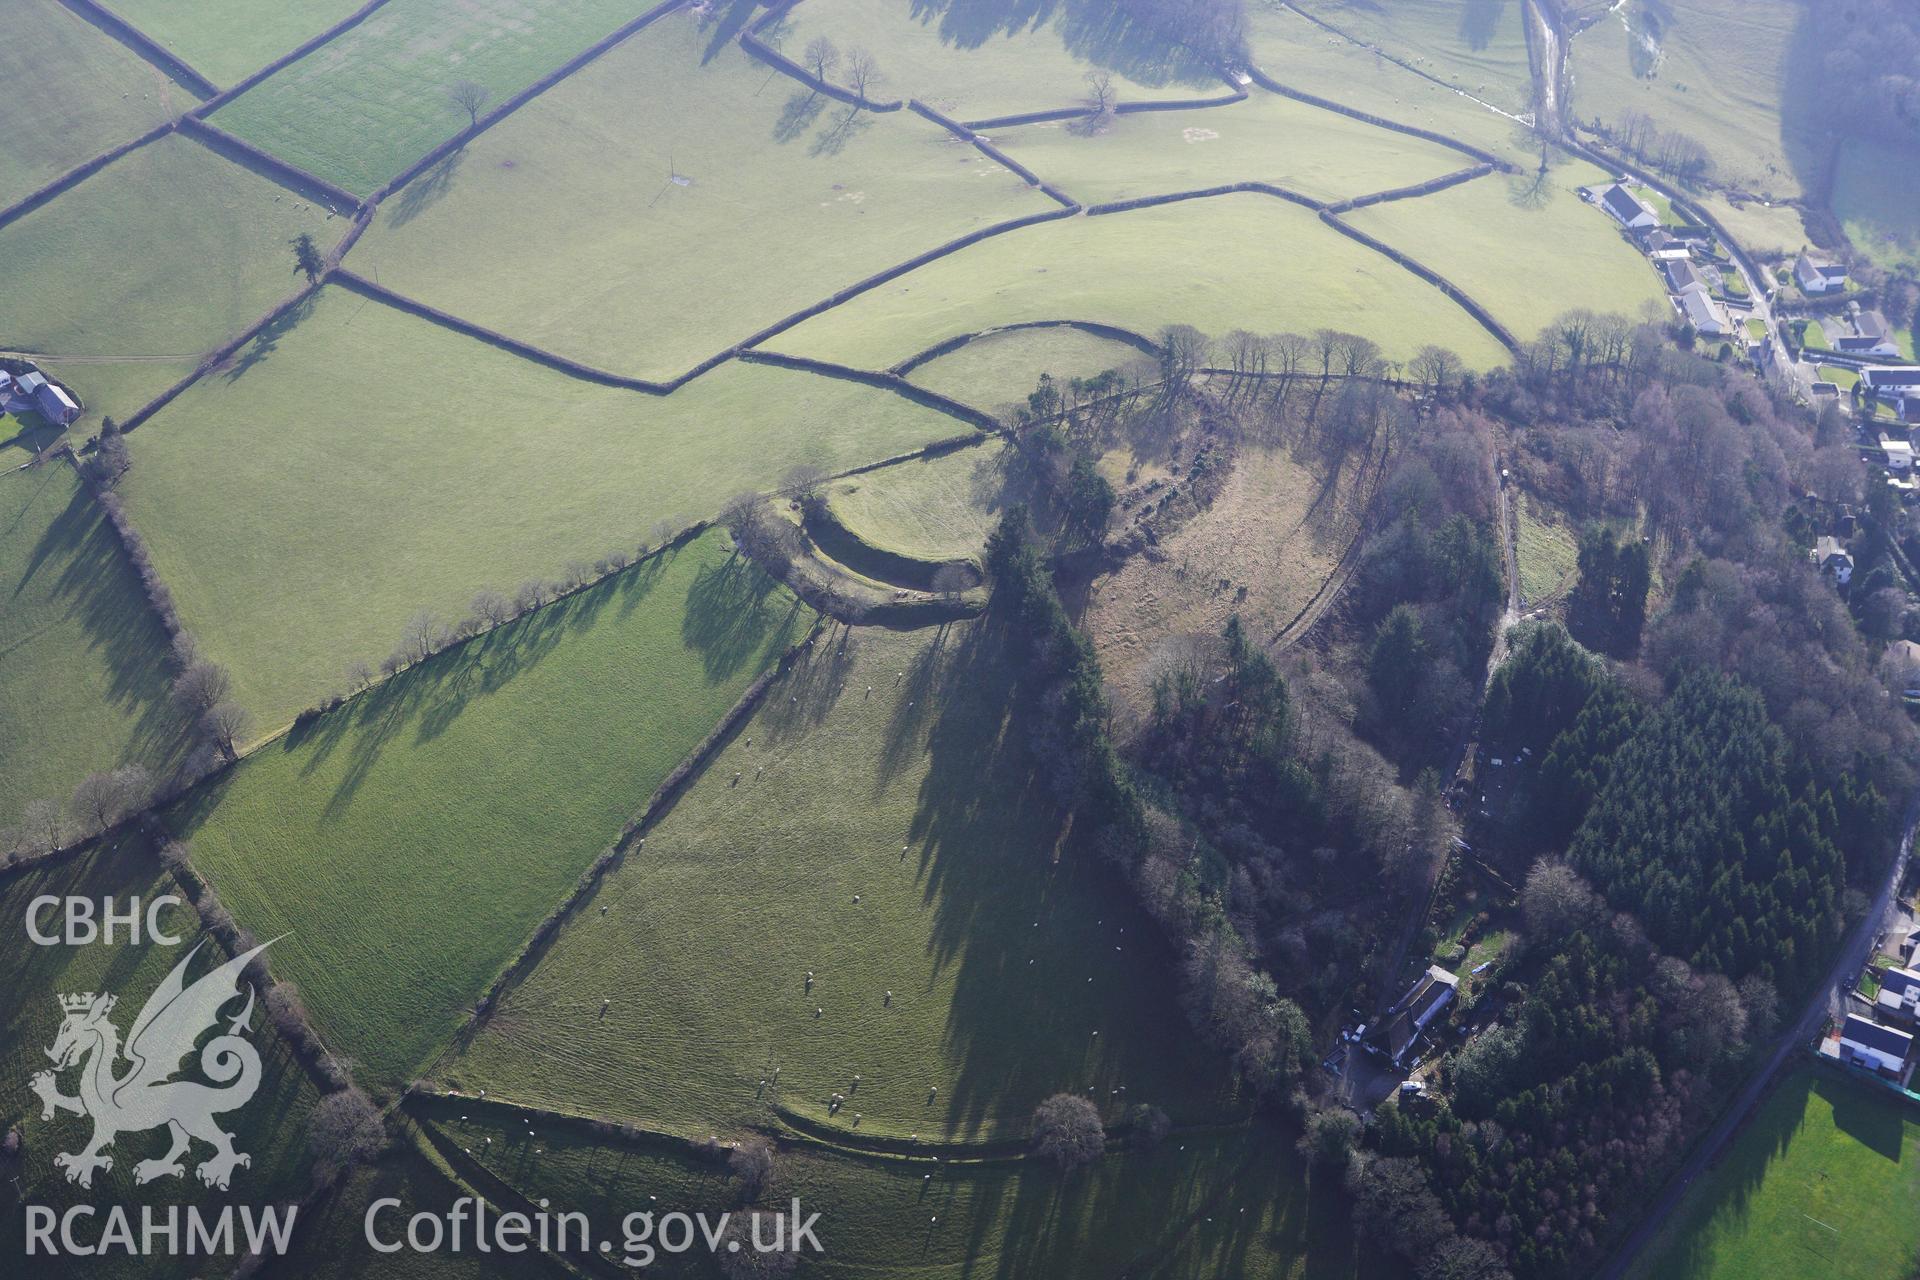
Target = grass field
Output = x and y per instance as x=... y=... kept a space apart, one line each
x=1208 y=263
x=1003 y=1219
x=1763 y=230
x=1267 y=138
x=1525 y=255
x=1809 y=1187
x=85 y=657
x=787 y=199
x=270 y=1129
x=442 y=466
x=70 y=92
x=1477 y=46
x=899 y=841
x=1274 y=533
x=199 y=250
x=363 y=107
x=1546 y=549
x=117 y=388
x=978 y=61
x=1304 y=56
x=1873 y=198
x=410 y=840
x=999 y=370
x=228 y=40
x=932 y=509
x=1736 y=75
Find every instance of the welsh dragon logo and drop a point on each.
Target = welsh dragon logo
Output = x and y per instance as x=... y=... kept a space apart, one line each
x=144 y=1096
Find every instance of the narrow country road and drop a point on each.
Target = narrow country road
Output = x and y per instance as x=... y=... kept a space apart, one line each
x=1794 y=1038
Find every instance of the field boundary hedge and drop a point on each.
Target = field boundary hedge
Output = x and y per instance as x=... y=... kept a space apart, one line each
x=992 y=152
x=886 y=380
x=755 y=47
x=285 y=173
x=220 y=355
x=288 y=58
x=837 y=541
x=1206 y=193
x=1415 y=190
x=1432 y=277
x=1236 y=93
x=145 y=45
x=80 y=173
x=1271 y=85
x=947 y=346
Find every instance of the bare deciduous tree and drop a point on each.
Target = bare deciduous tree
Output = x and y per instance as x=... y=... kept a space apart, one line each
x=471 y=98
x=752 y=1163
x=344 y=1130
x=1100 y=103
x=491 y=608
x=104 y=798
x=199 y=686
x=1067 y=1130
x=40 y=827
x=359 y=673
x=820 y=57
x=226 y=723
x=863 y=73
x=531 y=595
x=952 y=581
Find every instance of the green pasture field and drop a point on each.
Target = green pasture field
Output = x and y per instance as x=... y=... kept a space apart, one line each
x=1002 y=1217
x=410 y=840
x=360 y=109
x=1209 y=263
x=592 y=250
x=331 y=1243
x=228 y=40
x=23 y=435
x=936 y=508
x=1766 y=231
x=1526 y=255
x=1738 y=76
x=165 y=252
x=999 y=370
x=896 y=841
x=270 y=1129
x=117 y=388
x=1547 y=551
x=69 y=91
x=1813 y=1185
x=373 y=464
x=978 y=62
x=1267 y=138
x=1477 y=46
x=1309 y=58
x=85 y=657
x=1873 y=198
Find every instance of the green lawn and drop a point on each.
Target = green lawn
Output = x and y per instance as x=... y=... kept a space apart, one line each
x=1477 y=46
x=361 y=108
x=1738 y=76
x=999 y=370
x=975 y=62
x=68 y=92
x=165 y=252
x=1267 y=138
x=228 y=40
x=968 y=1219
x=593 y=251
x=1768 y=230
x=932 y=509
x=1845 y=379
x=1526 y=255
x=895 y=841
x=84 y=656
x=1306 y=57
x=1210 y=263
x=373 y=464
x=410 y=840
x=270 y=1129
x=1817 y=1183
x=1547 y=551
x=1873 y=198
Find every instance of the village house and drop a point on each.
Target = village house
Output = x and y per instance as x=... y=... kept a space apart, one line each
x=1899 y=996
x=1627 y=208
x=1419 y=1007
x=31 y=390
x=1867 y=1044
x=1899 y=451
x=1699 y=309
x=1681 y=275
x=1818 y=275
x=1896 y=386
x=1870 y=336
x=1831 y=558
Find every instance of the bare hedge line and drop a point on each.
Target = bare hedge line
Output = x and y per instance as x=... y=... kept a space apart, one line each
x=143 y=44
x=423 y=1102
x=1271 y=85
x=1114 y=332
x=1205 y=193
x=1237 y=93
x=992 y=152
x=287 y=59
x=1427 y=188
x=1432 y=277
x=756 y=47
x=885 y=381
x=459 y=140
x=79 y=173
x=287 y=174
x=219 y=355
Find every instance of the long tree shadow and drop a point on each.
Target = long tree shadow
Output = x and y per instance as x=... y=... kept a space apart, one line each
x=426 y=190
x=1099 y=32
x=800 y=111
x=267 y=341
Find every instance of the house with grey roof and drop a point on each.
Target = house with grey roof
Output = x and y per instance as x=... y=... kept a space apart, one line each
x=1866 y=1043
x=1627 y=208
x=1829 y=555
x=1698 y=308
x=1417 y=1009
x=1819 y=275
